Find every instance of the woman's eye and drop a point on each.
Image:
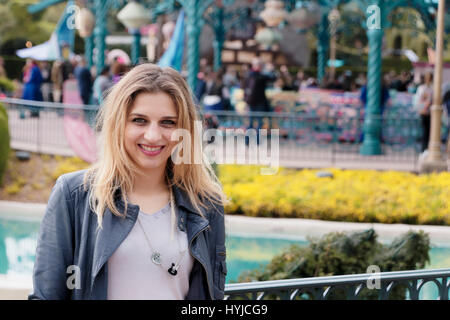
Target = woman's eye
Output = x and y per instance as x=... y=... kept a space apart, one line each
x=168 y=122
x=139 y=120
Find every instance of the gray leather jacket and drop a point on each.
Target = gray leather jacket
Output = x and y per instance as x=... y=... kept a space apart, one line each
x=69 y=245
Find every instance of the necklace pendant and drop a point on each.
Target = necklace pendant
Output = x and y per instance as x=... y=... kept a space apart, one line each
x=156 y=258
x=173 y=270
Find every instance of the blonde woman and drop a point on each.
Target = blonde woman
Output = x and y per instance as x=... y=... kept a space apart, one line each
x=136 y=225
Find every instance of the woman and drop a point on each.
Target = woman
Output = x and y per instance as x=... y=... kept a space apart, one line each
x=32 y=78
x=138 y=224
x=423 y=101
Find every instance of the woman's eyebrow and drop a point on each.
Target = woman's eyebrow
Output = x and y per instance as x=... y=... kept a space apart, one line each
x=137 y=114
x=143 y=115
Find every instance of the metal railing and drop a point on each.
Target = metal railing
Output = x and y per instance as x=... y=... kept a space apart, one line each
x=306 y=139
x=39 y=126
x=381 y=286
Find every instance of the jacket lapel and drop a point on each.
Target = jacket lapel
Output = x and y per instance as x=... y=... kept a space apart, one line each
x=194 y=224
x=115 y=229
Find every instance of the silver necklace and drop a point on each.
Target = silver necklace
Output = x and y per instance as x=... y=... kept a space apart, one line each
x=156 y=256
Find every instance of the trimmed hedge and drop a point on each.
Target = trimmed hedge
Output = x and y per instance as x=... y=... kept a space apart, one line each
x=340 y=253
x=350 y=195
x=4 y=141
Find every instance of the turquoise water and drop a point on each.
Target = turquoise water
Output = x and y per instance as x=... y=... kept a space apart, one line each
x=18 y=242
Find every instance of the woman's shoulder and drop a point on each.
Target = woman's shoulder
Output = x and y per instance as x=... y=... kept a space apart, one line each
x=73 y=181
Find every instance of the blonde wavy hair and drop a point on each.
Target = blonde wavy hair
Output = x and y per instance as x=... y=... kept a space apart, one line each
x=115 y=169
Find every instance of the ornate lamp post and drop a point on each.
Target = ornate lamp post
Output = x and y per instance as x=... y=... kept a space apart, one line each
x=85 y=22
x=100 y=31
x=133 y=16
x=322 y=47
x=434 y=161
x=376 y=17
x=333 y=18
x=215 y=17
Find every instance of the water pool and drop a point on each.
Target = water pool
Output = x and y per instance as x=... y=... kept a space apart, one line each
x=18 y=242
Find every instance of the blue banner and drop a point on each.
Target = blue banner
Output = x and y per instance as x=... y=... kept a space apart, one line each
x=65 y=29
x=173 y=57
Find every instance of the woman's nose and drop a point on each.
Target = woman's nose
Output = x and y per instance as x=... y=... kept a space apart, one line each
x=152 y=133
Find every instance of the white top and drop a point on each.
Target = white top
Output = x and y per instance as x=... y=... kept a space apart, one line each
x=131 y=273
x=424 y=94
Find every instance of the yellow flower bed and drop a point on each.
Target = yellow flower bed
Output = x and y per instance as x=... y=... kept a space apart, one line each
x=351 y=195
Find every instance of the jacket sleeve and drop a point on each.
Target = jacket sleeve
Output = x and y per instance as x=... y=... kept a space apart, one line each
x=220 y=266
x=54 y=251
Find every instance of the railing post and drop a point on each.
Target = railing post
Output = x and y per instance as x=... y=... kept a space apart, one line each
x=38 y=126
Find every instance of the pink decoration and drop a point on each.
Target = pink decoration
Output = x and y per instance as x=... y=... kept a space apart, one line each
x=81 y=137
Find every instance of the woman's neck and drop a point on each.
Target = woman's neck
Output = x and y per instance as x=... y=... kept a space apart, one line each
x=150 y=183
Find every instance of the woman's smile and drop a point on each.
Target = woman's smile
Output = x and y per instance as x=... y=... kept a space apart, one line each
x=151 y=151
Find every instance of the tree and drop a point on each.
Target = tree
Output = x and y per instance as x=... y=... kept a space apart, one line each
x=16 y=22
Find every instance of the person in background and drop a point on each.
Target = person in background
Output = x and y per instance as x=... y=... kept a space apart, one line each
x=26 y=70
x=32 y=85
x=299 y=79
x=255 y=91
x=255 y=86
x=46 y=81
x=422 y=104
x=347 y=82
x=101 y=84
x=230 y=78
x=118 y=69
x=200 y=87
x=360 y=80
x=446 y=107
x=84 y=80
x=230 y=81
x=244 y=73
x=384 y=96
x=286 y=79
x=214 y=92
x=57 y=80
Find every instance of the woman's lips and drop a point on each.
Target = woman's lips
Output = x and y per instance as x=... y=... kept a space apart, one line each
x=151 y=151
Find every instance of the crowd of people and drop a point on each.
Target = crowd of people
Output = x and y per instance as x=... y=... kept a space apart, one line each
x=42 y=81
x=214 y=88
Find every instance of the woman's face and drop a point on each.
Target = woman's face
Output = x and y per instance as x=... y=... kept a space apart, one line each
x=150 y=123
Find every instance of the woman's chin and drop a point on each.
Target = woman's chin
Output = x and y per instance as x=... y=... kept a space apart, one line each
x=152 y=165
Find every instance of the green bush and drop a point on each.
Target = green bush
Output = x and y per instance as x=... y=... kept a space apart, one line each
x=340 y=254
x=4 y=141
